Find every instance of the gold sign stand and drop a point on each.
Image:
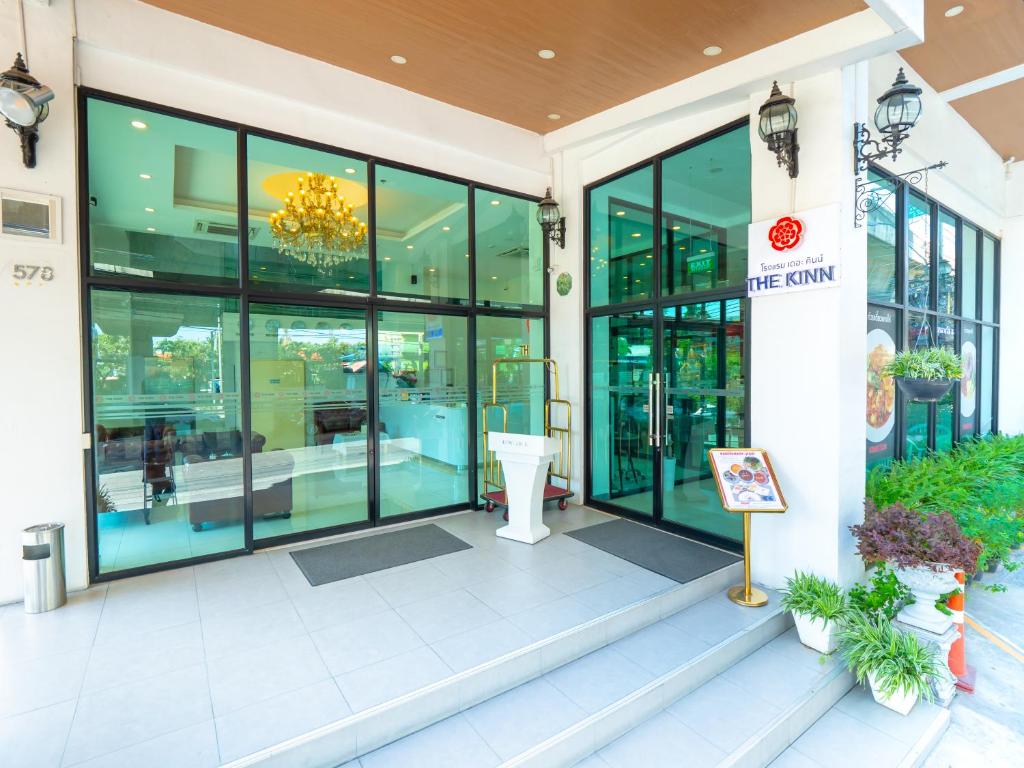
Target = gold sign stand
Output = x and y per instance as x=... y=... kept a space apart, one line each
x=745 y=594
x=749 y=472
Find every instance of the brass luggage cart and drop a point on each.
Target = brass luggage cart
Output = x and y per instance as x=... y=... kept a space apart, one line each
x=557 y=424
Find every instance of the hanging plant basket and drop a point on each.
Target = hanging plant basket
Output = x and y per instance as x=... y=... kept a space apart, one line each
x=924 y=390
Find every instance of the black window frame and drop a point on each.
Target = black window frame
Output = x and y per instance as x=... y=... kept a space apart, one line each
x=372 y=303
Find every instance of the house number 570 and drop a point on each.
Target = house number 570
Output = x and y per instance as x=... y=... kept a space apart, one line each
x=31 y=271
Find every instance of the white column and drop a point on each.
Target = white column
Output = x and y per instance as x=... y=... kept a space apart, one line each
x=1011 y=309
x=807 y=349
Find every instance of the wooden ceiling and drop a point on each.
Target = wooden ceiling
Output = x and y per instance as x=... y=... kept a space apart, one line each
x=482 y=54
x=986 y=38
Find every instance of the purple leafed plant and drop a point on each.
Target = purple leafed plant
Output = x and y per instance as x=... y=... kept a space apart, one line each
x=906 y=539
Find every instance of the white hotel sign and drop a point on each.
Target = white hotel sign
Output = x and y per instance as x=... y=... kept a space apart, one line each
x=794 y=253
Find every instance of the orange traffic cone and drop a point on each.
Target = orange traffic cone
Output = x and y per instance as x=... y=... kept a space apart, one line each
x=965 y=674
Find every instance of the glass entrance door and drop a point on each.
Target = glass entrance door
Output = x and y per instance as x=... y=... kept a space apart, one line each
x=703 y=354
x=665 y=388
x=623 y=379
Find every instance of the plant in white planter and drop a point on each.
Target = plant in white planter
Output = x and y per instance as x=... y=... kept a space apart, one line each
x=924 y=552
x=925 y=375
x=819 y=607
x=898 y=667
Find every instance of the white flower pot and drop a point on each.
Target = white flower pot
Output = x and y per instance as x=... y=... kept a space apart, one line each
x=901 y=701
x=927 y=586
x=815 y=632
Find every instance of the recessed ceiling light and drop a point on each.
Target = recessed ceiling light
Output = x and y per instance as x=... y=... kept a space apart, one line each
x=675 y=228
x=139 y=125
x=635 y=234
x=150 y=210
x=350 y=170
x=546 y=53
x=446 y=229
x=956 y=10
x=494 y=277
x=408 y=247
x=145 y=176
x=620 y=213
x=712 y=50
x=387 y=258
x=396 y=59
x=431 y=270
x=151 y=229
x=495 y=202
x=554 y=116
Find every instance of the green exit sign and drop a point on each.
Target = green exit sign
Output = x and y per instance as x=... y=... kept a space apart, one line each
x=702 y=263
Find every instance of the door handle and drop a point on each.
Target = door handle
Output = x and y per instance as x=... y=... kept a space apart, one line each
x=654 y=423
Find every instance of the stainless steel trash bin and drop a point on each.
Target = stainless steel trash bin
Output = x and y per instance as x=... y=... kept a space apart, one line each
x=42 y=548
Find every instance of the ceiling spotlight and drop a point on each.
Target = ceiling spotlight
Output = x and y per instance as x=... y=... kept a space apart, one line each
x=151 y=229
x=495 y=202
x=620 y=213
x=350 y=170
x=546 y=53
x=635 y=234
x=387 y=258
x=446 y=229
x=408 y=247
x=494 y=277
x=150 y=210
x=396 y=59
x=145 y=176
x=554 y=116
x=24 y=104
x=139 y=125
x=712 y=50
x=675 y=228
x=955 y=10
x=432 y=270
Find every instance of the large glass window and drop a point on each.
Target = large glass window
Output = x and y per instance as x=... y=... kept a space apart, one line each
x=163 y=196
x=509 y=250
x=167 y=427
x=422 y=236
x=622 y=239
x=307 y=218
x=186 y=394
x=952 y=275
x=919 y=252
x=988 y=279
x=705 y=199
x=882 y=246
x=520 y=385
x=423 y=411
x=969 y=272
x=945 y=283
x=309 y=426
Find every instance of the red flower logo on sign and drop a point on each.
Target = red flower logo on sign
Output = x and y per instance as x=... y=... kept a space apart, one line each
x=786 y=233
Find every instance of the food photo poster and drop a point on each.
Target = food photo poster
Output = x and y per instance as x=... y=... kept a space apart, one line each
x=746 y=481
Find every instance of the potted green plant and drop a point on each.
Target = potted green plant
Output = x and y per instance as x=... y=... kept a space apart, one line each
x=925 y=375
x=818 y=606
x=898 y=667
x=924 y=552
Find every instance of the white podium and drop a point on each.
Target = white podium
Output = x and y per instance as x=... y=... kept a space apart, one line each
x=524 y=462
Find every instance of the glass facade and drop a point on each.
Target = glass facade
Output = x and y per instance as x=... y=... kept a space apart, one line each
x=949 y=271
x=234 y=401
x=667 y=332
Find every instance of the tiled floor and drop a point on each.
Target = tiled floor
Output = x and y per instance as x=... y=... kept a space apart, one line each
x=204 y=664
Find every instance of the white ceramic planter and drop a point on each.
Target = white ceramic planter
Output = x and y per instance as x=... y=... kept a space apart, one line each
x=901 y=701
x=927 y=585
x=816 y=633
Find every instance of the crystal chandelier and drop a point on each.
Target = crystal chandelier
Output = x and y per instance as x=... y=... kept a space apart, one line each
x=316 y=225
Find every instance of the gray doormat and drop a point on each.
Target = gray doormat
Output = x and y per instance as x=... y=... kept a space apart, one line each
x=679 y=559
x=345 y=559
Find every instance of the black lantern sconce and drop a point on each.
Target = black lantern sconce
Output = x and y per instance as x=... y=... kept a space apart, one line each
x=24 y=104
x=776 y=125
x=551 y=220
x=899 y=109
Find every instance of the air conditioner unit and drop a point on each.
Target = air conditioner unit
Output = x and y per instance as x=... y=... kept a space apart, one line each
x=221 y=229
x=514 y=253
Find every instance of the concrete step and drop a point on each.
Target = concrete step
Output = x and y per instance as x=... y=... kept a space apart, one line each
x=580 y=706
x=387 y=724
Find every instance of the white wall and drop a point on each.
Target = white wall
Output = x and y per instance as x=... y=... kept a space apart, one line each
x=1011 y=308
x=41 y=475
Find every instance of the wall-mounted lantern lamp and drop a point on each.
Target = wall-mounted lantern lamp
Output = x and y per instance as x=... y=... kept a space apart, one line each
x=551 y=220
x=776 y=126
x=24 y=104
x=898 y=111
